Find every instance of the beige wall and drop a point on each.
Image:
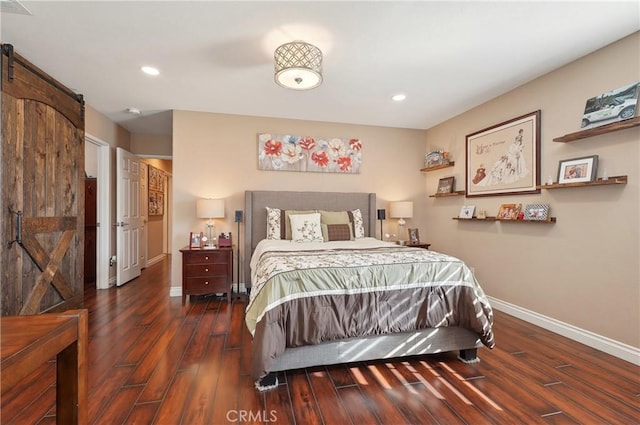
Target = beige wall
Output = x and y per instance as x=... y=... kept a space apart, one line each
x=216 y=155
x=151 y=145
x=584 y=269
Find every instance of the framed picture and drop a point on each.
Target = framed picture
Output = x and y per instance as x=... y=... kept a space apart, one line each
x=536 y=212
x=509 y=211
x=156 y=179
x=578 y=170
x=467 y=211
x=195 y=240
x=414 y=236
x=156 y=203
x=433 y=159
x=504 y=159
x=445 y=185
x=613 y=106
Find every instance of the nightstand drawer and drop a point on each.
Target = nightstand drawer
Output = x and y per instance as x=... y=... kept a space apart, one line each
x=213 y=269
x=212 y=256
x=207 y=285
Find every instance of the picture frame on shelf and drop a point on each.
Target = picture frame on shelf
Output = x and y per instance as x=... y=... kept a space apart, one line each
x=536 y=212
x=414 y=236
x=578 y=170
x=445 y=185
x=504 y=159
x=467 y=211
x=195 y=240
x=615 y=105
x=509 y=211
x=481 y=215
x=433 y=159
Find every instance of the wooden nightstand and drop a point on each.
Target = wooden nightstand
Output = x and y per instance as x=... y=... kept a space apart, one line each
x=419 y=245
x=207 y=271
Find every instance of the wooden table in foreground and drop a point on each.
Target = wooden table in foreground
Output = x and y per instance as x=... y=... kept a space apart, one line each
x=28 y=341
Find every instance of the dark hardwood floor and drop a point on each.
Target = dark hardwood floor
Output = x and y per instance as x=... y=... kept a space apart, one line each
x=153 y=361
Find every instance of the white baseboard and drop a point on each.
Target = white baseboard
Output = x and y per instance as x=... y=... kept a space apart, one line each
x=156 y=259
x=599 y=342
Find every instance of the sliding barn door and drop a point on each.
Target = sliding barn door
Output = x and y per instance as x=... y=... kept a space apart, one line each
x=42 y=202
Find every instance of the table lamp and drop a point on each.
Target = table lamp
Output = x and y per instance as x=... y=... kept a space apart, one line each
x=210 y=209
x=401 y=210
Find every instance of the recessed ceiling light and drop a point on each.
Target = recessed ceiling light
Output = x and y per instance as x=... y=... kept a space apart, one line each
x=399 y=97
x=149 y=70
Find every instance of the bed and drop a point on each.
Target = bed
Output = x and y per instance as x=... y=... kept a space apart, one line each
x=352 y=299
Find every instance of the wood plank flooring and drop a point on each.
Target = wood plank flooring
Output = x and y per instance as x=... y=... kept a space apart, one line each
x=153 y=361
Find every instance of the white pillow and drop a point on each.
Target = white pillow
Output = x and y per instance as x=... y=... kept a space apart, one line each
x=306 y=228
x=273 y=223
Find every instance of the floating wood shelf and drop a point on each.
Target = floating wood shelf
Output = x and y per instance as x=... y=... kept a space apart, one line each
x=551 y=220
x=475 y=219
x=444 y=195
x=439 y=167
x=607 y=128
x=599 y=182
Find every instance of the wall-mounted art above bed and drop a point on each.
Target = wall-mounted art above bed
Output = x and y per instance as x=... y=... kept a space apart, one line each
x=286 y=152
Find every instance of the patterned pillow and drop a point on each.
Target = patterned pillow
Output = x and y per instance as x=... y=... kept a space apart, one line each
x=286 y=231
x=358 y=224
x=336 y=232
x=274 y=223
x=306 y=228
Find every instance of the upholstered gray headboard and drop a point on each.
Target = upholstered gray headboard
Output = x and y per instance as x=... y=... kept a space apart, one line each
x=256 y=201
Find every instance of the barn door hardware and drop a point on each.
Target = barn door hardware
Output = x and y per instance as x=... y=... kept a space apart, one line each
x=7 y=49
x=18 y=227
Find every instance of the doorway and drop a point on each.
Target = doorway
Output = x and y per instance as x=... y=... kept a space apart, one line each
x=98 y=153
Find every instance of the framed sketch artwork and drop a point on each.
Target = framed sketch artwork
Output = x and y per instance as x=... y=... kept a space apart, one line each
x=504 y=159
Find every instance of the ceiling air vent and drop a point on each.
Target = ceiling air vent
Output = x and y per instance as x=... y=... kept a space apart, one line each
x=13 y=6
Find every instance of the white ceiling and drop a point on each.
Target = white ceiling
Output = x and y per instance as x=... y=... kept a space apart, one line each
x=447 y=57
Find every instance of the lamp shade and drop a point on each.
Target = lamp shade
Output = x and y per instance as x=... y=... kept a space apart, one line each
x=210 y=208
x=298 y=65
x=401 y=209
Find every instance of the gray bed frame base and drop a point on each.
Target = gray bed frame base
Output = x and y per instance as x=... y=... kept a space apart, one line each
x=389 y=346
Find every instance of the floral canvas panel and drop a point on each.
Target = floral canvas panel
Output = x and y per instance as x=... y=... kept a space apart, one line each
x=284 y=152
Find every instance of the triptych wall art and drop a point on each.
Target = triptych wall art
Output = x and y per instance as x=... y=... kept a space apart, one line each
x=285 y=152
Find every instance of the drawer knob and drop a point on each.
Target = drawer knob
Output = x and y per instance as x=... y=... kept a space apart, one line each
x=206 y=258
x=206 y=270
x=206 y=283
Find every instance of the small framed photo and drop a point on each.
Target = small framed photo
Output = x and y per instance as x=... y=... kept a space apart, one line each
x=536 y=212
x=195 y=240
x=433 y=159
x=445 y=185
x=467 y=211
x=509 y=211
x=578 y=170
x=482 y=214
x=414 y=236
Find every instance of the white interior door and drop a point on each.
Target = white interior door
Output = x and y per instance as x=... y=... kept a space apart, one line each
x=129 y=221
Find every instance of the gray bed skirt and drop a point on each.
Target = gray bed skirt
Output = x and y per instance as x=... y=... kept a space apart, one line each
x=424 y=341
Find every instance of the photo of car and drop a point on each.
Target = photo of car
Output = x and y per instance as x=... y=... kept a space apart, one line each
x=619 y=108
x=616 y=105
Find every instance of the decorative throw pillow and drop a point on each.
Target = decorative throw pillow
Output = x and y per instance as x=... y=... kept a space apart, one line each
x=306 y=228
x=273 y=223
x=286 y=231
x=358 y=224
x=336 y=232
